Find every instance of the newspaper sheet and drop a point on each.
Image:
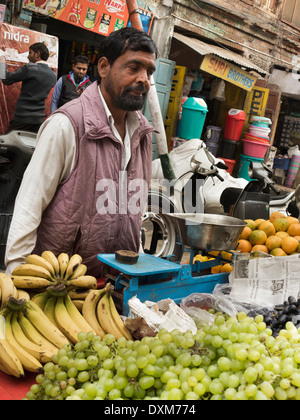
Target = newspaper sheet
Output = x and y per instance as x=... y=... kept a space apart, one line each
x=265 y=281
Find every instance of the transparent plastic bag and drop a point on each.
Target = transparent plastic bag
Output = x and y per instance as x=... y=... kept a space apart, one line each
x=220 y=300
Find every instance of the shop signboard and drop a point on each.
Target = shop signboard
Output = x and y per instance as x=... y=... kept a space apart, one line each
x=223 y=69
x=14 y=46
x=99 y=16
x=255 y=104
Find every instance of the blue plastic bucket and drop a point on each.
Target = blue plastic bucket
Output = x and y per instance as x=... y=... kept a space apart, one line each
x=244 y=166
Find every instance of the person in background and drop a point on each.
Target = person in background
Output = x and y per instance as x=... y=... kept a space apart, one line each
x=37 y=81
x=86 y=187
x=72 y=85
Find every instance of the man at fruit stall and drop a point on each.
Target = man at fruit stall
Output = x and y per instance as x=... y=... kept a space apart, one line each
x=93 y=156
x=72 y=85
x=37 y=81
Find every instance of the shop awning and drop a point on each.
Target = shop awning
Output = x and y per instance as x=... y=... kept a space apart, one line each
x=206 y=49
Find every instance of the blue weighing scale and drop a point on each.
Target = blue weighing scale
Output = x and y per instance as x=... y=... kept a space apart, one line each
x=154 y=279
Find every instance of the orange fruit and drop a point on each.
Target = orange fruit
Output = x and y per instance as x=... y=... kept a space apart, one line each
x=244 y=246
x=297 y=237
x=278 y=252
x=227 y=268
x=246 y=233
x=276 y=215
x=281 y=225
x=292 y=220
x=290 y=245
x=294 y=229
x=258 y=222
x=282 y=235
x=217 y=269
x=251 y=224
x=273 y=242
x=268 y=228
x=258 y=237
x=260 y=248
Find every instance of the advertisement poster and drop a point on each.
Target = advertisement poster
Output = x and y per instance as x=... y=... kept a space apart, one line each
x=147 y=18
x=14 y=46
x=100 y=16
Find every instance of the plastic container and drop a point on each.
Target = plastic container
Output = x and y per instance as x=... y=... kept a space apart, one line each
x=261 y=122
x=255 y=148
x=213 y=134
x=229 y=148
x=259 y=131
x=244 y=166
x=230 y=163
x=193 y=118
x=213 y=148
x=234 y=124
x=293 y=170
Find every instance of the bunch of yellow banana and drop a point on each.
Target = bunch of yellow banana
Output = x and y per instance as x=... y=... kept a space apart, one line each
x=7 y=290
x=100 y=312
x=62 y=312
x=40 y=272
x=28 y=339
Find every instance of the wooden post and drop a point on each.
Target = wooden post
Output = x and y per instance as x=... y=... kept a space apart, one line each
x=157 y=121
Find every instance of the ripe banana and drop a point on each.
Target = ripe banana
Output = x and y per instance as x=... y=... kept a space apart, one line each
x=65 y=322
x=37 y=317
x=63 y=261
x=29 y=363
x=40 y=262
x=77 y=317
x=78 y=293
x=73 y=264
x=22 y=294
x=51 y=258
x=89 y=310
x=7 y=289
x=79 y=272
x=105 y=317
x=33 y=334
x=87 y=282
x=79 y=304
x=41 y=299
x=30 y=282
x=42 y=355
x=32 y=271
x=10 y=361
x=49 y=309
x=118 y=320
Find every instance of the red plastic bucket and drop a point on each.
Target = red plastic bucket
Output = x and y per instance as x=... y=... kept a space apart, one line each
x=234 y=124
x=230 y=163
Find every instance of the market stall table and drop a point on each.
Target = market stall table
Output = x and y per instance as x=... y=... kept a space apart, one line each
x=14 y=389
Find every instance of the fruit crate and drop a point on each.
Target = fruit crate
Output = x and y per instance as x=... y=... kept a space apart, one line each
x=5 y=220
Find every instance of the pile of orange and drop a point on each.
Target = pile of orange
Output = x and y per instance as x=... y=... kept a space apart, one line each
x=279 y=236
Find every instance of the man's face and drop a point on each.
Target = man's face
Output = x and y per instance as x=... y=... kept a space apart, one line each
x=80 y=70
x=128 y=80
x=33 y=57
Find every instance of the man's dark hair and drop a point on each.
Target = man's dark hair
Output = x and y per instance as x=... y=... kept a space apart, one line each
x=82 y=59
x=42 y=49
x=126 y=39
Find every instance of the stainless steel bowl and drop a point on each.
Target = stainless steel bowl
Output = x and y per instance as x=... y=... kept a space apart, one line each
x=208 y=231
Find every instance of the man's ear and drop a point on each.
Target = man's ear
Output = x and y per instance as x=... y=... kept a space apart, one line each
x=103 y=67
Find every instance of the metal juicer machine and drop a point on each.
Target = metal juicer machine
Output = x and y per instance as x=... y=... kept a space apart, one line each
x=154 y=279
